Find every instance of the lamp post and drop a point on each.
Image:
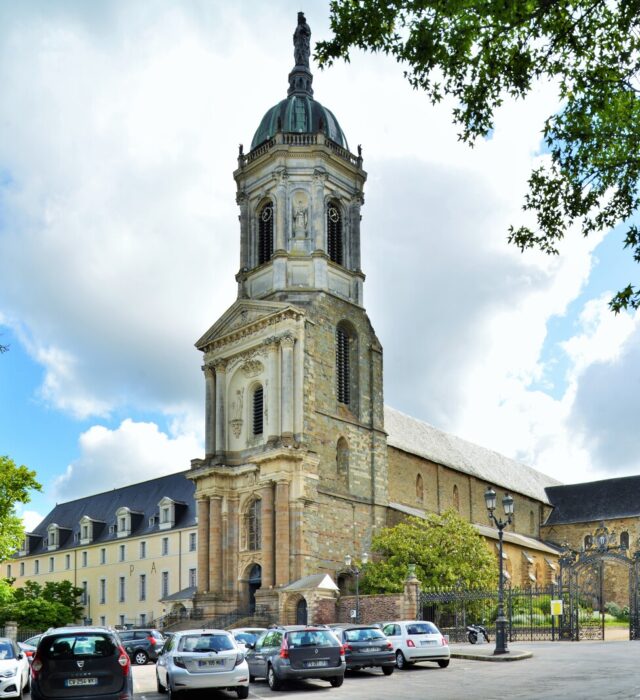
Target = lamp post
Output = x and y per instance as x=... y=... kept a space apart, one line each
x=501 y=622
x=356 y=572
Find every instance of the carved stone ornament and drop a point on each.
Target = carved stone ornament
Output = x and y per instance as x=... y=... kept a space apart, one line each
x=252 y=368
x=236 y=427
x=236 y=405
x=287 y=340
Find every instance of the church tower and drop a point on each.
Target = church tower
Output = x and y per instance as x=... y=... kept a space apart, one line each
x=295 y=471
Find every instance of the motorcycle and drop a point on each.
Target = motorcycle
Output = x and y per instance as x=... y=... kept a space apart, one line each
x=474 y=632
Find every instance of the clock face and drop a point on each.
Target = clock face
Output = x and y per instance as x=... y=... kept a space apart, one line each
x=267 y=213
x=334 y=214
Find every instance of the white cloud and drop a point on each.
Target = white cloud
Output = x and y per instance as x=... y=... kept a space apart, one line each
x=31 y=519
x=113 y=458
x=123 y=124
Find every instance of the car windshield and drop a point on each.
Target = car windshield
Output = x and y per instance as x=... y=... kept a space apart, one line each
x=246 y=637
x=205 y=643
x=422 y=628
x=309 y=638
x=68 y=646
x=363 y=635
x=6 y=651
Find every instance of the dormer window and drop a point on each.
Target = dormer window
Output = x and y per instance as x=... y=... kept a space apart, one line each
x=88 y=529
x=167 y=509
x=123 y=522
x=53 y=537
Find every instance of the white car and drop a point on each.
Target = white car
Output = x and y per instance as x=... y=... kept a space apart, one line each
x=247 y=635
x=416 y=640
x=14 y=669
x=202 y=660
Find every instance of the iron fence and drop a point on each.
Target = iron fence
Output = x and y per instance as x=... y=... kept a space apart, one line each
x=528 y=612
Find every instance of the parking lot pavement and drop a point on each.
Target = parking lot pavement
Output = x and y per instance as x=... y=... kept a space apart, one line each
x=555 y=671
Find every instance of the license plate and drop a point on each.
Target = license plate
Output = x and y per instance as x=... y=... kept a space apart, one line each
x=210 y=662
x=368 y=649
x=314 y=664
x=427 y=642
x=70 y=682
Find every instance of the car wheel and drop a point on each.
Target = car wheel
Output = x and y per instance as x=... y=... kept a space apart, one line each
x=443 y=663
x=401 y=662
x=140 y=657
x=272 y=679
x=161 y=688
x=336 y=681
x=387 y=670
x=242 y=691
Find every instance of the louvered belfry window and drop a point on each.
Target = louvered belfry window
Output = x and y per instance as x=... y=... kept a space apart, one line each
x=334 y=234
x=258 y=410
x=265 y=233
x=342 y=366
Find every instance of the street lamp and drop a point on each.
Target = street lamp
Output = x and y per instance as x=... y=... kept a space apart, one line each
x=356 y=572
x=501 y=622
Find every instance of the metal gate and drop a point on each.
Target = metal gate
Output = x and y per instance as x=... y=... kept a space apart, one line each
x=581 y=585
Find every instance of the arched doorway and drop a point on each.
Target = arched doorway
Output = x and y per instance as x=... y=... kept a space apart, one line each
x=255 y=582
x=301 y=612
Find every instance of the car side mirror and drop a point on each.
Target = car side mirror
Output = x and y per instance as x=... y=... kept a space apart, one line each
x=251 y=645
x=20 y=655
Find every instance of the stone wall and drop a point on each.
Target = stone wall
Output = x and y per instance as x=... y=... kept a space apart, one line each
x=373 y=608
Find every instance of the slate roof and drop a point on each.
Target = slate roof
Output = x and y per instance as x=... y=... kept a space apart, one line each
x=416 y=437
x=141 y=498
x=594 y=500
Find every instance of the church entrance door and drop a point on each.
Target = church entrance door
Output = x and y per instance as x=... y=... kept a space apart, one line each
x=255 y=582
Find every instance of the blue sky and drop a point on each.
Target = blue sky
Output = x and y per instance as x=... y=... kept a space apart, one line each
x=119 y=246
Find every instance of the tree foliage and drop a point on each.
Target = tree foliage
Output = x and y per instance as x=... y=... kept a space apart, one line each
x=15 y=484
x=37 y=607
x=480 y=51
x=446 y=549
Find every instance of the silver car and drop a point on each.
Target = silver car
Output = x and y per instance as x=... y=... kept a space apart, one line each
x=202 y=659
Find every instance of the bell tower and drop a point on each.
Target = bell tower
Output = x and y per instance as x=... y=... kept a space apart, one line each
x=294 y=471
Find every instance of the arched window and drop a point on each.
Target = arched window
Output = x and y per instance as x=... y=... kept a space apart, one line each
x=265 y=233
x=254 y=525
x=258 y=411
x=334 y=233
x=342 y=458
x=343 y=369
x=624 y=539
x=588 y=541
x=456 y=498
x=419 y=489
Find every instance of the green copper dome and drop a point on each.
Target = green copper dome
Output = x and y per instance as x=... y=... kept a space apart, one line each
x=299 y=114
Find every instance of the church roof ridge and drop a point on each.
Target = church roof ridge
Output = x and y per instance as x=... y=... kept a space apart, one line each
x=417 y=437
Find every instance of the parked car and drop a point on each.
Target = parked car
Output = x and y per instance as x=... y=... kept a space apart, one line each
x=81 y=662
x=365 y=646
x=14 y=669
x=33 y=641
x=297 y=652
x=202 y=659
x=27 y=650
x=247 y=635
x=417 y=641
x=142 y=645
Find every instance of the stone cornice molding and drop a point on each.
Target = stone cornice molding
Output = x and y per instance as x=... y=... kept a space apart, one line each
x=254 y=328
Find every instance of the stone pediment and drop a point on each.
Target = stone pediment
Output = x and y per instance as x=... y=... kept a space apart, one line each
x=243 y=314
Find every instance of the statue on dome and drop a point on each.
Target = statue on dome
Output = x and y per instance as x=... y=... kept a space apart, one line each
x=302 y=42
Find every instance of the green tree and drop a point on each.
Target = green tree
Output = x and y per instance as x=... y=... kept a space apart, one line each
x=15 y=484
x=480 y=51
x=446 y=549
x=37 y=607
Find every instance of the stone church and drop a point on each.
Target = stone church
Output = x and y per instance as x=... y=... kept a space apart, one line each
x=303 y=462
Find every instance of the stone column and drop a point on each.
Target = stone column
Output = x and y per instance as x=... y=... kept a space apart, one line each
x=297 y=543
x=282 y=208
x=286 y=384
x=273 y=391
x=412 y=595
x=243 y=202
x=233 y=545
x=268 y=540
x=215 y=544
x=298 y=388
x=221 y=397
x=282 y=533
x=203 y=545
x=318 y=215
x=209 y=411
x=353 y=261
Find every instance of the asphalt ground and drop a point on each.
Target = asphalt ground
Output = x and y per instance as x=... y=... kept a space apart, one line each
x=551 y=670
